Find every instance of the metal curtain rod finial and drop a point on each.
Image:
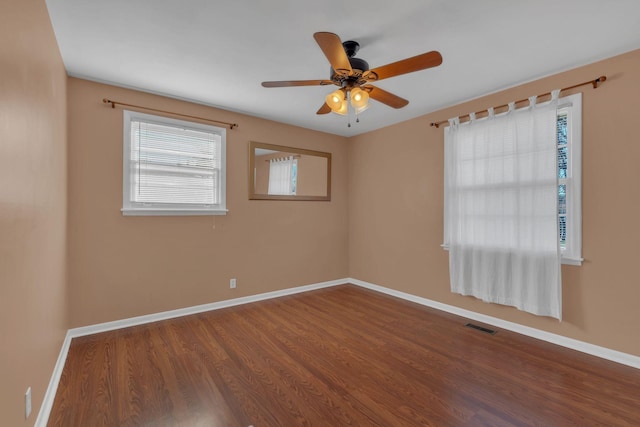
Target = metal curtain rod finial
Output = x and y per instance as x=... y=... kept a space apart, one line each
x=113 y=105
x=599 y=80
x=593 y=82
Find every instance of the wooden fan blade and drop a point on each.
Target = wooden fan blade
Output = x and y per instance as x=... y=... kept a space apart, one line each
x=409 y=65
x=334 y=51
x=385 y=97
x=325 y=109
x=289 y=83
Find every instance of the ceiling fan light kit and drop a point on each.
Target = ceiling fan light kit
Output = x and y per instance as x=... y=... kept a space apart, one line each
x=337 y=102
x=340 y=100
x=359 y=99
x=352 y=76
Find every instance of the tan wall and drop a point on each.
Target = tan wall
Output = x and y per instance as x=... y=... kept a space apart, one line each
x=32 y=206
x=312 y=176
x=129 y=266
x=395 y=240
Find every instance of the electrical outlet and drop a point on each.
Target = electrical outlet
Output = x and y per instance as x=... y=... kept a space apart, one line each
x=27 y=403
x=232 y=283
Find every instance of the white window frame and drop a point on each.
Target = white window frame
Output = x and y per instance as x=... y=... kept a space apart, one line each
x=130 y=207
x=572 y=252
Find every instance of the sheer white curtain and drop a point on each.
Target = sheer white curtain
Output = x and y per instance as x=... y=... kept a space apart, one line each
x=501 y=206
x=280 y=170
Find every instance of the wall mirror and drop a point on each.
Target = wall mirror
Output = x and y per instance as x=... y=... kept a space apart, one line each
x=277 y=172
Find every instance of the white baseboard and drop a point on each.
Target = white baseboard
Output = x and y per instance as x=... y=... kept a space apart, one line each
x=50 y=394
x=52 y=388
x=164 y=315
x=594 y=350
x=47 y=403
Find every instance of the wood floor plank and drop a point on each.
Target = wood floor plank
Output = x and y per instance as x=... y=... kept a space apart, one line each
x=341 y=356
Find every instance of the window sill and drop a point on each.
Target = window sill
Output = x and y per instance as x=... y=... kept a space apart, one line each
x=172 y=212
x=572 y=261
x=564 y=261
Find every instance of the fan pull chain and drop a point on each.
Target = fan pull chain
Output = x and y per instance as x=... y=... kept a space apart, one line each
x=349 y=117
x=347 y=96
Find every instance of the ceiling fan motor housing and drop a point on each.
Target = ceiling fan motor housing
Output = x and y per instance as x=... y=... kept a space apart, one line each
x=358 y=65
x=351 y=48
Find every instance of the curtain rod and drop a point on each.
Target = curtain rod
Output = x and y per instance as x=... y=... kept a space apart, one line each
x=113 y=105
x=297 y=156
x=593 y=82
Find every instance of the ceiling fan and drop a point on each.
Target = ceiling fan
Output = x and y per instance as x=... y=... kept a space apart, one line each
x=352 y=75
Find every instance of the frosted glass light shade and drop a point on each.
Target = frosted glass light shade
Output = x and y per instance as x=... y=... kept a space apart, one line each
x=336 y=101
x=359 y=100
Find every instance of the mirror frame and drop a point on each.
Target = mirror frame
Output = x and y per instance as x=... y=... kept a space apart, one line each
x=255 y=196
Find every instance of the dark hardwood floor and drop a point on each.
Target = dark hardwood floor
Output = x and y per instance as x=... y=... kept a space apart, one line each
x=341 y=356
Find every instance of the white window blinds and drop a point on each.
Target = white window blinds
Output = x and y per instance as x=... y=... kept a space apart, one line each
x=171 y=164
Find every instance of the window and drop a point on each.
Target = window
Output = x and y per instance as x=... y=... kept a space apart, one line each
x=283 y=176
x=501 y=207
x=569 y=134
x=569 y=139
x=172 y=167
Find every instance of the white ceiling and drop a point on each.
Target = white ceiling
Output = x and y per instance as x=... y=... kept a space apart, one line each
x=218 y=52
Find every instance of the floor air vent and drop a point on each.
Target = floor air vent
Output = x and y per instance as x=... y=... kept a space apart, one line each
x=481 y=329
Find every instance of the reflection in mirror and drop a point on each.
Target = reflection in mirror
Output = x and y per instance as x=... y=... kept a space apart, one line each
x=286 y=173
